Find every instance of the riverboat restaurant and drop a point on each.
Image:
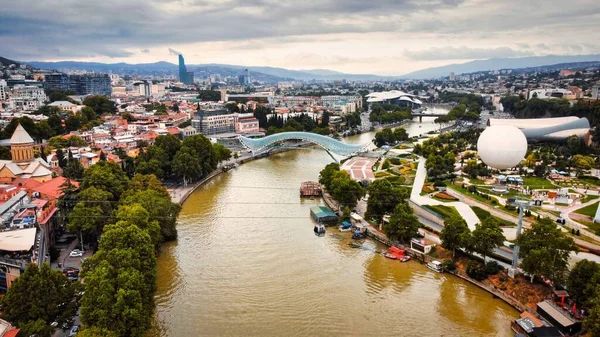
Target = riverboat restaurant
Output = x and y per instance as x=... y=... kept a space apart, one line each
x=558 y=317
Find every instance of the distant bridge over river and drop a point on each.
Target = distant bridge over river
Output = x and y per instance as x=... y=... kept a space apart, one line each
x=260 y=145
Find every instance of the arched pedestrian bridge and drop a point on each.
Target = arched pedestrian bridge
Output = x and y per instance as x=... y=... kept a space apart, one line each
x=258 y=145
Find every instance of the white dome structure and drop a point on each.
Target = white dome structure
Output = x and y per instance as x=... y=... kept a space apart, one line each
x=502 y=146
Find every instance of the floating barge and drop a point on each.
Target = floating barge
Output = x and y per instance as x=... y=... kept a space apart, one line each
x=310 y=189
x=322 y=214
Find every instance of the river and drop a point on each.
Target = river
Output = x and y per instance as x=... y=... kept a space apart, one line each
x=248 y=263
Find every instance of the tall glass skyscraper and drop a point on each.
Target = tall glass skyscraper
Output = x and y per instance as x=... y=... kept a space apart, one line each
x=185 y=77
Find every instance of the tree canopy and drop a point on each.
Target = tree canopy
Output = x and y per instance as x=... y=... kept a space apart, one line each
x=403 y=224
x=455 y=233
x=39 y=297
x=545 y=250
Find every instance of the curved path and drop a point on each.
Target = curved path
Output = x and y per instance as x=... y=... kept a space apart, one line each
x=332 y=145
x=463 y=209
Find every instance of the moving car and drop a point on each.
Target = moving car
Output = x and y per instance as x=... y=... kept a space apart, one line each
x=74 y=330
x=76 y=253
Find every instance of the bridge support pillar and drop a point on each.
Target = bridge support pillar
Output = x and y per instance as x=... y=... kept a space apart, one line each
x=421 y=119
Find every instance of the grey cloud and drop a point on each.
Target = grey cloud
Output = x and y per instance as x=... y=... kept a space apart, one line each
x=109 y=27
x=145 y=51
x=105 y=28
x=463 y=53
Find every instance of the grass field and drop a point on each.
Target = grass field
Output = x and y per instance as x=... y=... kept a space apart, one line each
x=482 y=214
x=588 y=198
x=537 y=183
x=443 y=211
x=588 y=210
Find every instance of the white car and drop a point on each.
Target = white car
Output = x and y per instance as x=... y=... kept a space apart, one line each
x=76 y=253
x=74 y=330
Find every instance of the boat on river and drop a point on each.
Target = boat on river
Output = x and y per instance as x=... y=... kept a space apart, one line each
x=354 y=244
x=405 y=258
x=436 y=266
x=390 y=256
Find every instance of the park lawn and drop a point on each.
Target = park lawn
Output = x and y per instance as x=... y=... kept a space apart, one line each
x=511 y=193
x=589 y=210
x=482 y=214
x=594 y=227
x=443 y=211
x=589 y=181
x=588 y=197
x=471 y=195
x=537 y=183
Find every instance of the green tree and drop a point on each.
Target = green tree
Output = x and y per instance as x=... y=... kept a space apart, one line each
x=73 y=169
x=345 y=190
x=5 y=153
x=85 y=218
x=204 y=151
x=120 y=282
x=38 y=328
x=96 y=332
x=486 y=237
x=56 y=124
x=169 y=144
x=106 y=176
x=58 y=142
x=580 y=279
x=143 y=182
x=592 y=322
x=39 y=297
x=383 y=198
x=453 y=233
x=221 y=152
x=100 y=104
x=400 y=134
x=326 y=174
x=403 y=224
x=187 y=165
x=160 y=209
x=545 y=250
x=139 y=216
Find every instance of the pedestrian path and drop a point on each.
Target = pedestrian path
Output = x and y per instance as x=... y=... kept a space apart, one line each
x=463 y=209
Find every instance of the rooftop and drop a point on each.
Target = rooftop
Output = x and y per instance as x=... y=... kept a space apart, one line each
x=20 y=136
x=17 y=240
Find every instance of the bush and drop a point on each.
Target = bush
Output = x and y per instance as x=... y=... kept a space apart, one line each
x=439 y=184
x=492 y=268
x=449 y=265
x=386 y=165
x=395 y=161
x=476 y=271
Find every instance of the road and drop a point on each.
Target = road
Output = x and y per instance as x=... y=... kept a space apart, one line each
x=65 y=261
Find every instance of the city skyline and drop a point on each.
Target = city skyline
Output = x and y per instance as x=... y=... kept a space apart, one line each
x=381 y=37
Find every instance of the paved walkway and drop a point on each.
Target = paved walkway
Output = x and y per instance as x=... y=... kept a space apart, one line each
x=463 y=209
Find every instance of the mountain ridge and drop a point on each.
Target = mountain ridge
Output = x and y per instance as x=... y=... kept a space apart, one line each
x=274 y=74
x=498 y=64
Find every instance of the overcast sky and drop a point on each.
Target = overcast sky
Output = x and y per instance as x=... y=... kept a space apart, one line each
x=388 y=37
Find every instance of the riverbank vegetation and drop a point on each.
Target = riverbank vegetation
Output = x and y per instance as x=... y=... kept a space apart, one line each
x=39 y=297
x=388 y=113
x=340 y=186
x=189 y=160
x=388 y=137
x=127 y=220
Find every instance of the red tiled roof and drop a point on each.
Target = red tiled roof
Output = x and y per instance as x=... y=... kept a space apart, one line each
x=53 y=188
x=12 y=333
x=174 y=131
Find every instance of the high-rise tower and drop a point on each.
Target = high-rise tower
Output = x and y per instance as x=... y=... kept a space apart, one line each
x=182 y=70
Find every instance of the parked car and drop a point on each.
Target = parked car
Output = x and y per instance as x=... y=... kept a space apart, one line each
x=76 y=253
x=74 y=330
